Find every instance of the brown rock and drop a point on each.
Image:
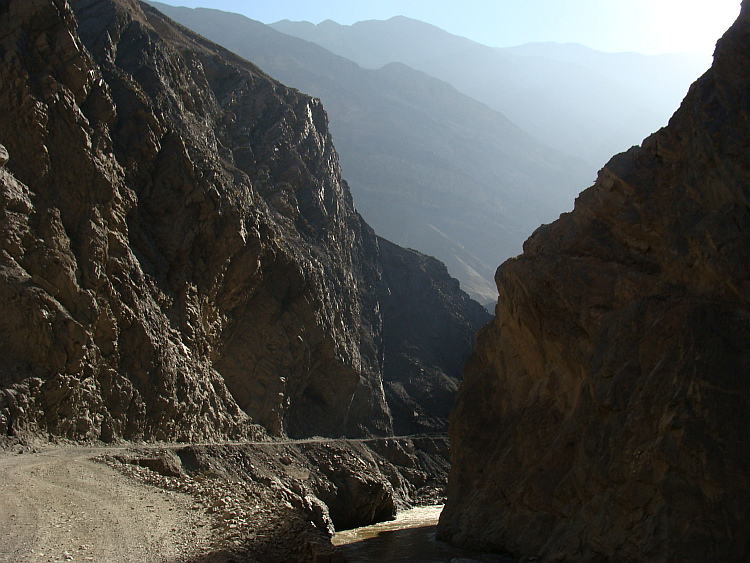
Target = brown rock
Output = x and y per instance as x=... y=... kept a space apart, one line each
x=180 y=257
x=605 y=412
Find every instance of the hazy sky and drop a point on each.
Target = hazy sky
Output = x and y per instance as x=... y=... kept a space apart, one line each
x=645 y=26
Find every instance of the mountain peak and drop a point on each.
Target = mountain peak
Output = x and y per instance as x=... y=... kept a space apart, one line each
x=326 y=24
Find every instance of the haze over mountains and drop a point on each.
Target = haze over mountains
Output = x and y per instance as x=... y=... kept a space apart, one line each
x=439 y=136
x=583 y=102
x=189 y=294
x=429 y=167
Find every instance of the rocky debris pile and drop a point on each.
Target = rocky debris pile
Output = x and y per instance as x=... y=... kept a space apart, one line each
x=605 y=413
x=248 y=520
x=282 y=502
x=179 y=256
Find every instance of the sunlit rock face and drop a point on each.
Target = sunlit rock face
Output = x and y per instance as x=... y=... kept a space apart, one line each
x=180 y=257
x=604 y=414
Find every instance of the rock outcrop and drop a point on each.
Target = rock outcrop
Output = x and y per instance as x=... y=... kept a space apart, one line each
x=282 y=501
x=604 y=415
x=180 y=257
x=424 y=339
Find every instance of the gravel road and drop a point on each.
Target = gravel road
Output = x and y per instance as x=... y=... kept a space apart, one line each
x=58 y=505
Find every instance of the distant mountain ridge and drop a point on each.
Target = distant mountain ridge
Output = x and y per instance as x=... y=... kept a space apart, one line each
x=375 y=43
x=578 y=100
x=403 y=39
x=429 y=168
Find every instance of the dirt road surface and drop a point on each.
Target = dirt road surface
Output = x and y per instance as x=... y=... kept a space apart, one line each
x=59 y=505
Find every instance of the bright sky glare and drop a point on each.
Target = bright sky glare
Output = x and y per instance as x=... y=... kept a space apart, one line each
x=644 y=26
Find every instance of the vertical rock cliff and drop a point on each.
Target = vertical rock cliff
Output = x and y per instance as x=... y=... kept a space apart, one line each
x=604 y=415
x=180 y=257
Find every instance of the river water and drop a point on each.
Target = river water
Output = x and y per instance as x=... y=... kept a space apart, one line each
x=409 y=538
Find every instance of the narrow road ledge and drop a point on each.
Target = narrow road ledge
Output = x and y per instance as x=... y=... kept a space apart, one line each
x=209 y=502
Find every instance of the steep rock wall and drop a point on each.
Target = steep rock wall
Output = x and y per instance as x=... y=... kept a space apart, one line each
x=425 y=338
x=605 y=412
x=180 y=256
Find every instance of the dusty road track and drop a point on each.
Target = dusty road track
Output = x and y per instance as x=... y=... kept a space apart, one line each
x=58 y=505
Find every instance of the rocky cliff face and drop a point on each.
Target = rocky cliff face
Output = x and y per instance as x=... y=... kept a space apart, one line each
x=604 y=414
x=429 y=168
x=424 y=336
x=180 y=257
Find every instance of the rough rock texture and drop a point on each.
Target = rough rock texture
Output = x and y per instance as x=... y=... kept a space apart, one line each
x=604 y=414
x=282 y=501
x=180 y=257
x=424 y=339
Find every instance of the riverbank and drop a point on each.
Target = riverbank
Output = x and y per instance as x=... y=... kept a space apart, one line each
x=410 y=538
x=245 y=502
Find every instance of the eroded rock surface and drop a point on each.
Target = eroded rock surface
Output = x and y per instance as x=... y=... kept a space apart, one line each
x=180 y=256
x=604 y=414
x=282 y=501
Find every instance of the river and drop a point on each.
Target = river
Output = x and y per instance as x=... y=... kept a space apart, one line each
x=408 y=538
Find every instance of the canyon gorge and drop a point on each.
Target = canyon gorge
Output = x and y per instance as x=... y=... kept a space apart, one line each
x=190 y=298
x=182 y=262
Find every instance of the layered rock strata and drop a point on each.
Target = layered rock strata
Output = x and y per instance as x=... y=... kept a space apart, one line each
x=180 y=257
x=605 y=412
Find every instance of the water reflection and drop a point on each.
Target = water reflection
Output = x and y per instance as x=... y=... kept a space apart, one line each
x=409 y=538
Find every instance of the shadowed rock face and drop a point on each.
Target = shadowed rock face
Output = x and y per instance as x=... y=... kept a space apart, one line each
x=180 y=257
x=604 y=414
